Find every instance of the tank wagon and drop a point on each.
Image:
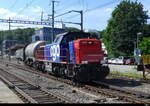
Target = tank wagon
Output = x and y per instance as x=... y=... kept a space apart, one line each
x=77 y=55
x=30 y=54
x=19 y=54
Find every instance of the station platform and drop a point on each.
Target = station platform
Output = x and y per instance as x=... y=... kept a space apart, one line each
x=7 y=95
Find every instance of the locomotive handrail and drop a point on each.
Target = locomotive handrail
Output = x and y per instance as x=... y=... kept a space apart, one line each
x=44 y=57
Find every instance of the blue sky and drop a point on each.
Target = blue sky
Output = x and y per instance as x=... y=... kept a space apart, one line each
x=31 y=10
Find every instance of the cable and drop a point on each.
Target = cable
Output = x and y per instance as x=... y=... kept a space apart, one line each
x=82 y=4
x=68 y=6
x=95 y=8
x=27 y=5
x=101 y=6
x=13 y=5
x=63 y=14
x=70 y=17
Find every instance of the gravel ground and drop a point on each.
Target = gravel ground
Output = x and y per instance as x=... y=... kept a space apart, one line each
x=83 y=96
x=131 y=85
x=80 y=96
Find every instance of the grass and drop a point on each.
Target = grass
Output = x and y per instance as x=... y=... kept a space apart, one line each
x=130 y=74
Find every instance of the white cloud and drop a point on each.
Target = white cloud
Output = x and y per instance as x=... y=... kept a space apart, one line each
x=32 y=14
x=28 y=13
x=3 y=11
x=109 y=10
x=36 y=9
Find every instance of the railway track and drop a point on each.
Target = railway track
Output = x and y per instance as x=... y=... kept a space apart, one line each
x=31 y=93
x=101 y=87
x=130 y=78
x=121 y=93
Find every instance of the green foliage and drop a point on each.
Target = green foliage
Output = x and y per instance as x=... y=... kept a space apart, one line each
x=72 y=29
x=133 y=73
x=146 y=30
x=127 y=20
x=145 y=45
x=21 y=35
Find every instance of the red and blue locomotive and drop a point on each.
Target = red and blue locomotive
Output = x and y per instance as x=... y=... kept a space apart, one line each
x=77 y=55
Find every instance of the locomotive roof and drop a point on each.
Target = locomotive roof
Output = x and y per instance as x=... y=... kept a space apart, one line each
x=77 y=33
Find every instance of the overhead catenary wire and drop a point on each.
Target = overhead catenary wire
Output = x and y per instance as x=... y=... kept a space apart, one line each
x=13 y=5
x=101 y=6
x=27 y=5
x=68 y=6
x=63 y=14
x=22 y=9
x=95 y=8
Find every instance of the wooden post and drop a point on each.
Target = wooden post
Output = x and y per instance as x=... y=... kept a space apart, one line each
x=144 y=76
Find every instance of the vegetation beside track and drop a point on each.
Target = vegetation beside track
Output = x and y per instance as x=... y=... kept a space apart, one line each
x=130 y=74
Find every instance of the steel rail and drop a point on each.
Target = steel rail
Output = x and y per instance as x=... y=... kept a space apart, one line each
x=31 y=99
x=124 y=94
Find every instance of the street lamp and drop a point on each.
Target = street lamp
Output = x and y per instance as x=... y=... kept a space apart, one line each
x=138 y=34
x=137 y=51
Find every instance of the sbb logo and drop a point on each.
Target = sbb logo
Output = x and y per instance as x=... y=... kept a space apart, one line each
x=55 y=52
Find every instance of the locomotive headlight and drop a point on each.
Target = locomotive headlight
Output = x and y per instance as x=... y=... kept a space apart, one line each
x=90 y=43
x=84 y=62
x=102 y=62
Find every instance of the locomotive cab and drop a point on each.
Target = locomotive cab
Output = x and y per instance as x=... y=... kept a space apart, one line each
x=64 y=39
x=80 y=57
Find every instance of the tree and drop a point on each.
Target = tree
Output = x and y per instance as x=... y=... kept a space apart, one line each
x=146 y=30
x=72 y=29
x=21 y=35
x=127 y=20
x=145 y=45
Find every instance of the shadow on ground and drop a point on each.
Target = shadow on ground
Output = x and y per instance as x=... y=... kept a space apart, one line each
x=122 y=82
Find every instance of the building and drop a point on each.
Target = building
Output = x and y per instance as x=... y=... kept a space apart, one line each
x=45 y=34
x=7 y=44
x=15 y=48
x=0 y=50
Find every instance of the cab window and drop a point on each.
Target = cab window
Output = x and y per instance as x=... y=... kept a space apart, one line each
x=58 y=39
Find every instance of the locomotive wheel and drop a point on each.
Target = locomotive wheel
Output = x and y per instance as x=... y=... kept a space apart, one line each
x=56 y=70
x=36 y=66
x=43 y=68
x=75 y=72
x=62 y=72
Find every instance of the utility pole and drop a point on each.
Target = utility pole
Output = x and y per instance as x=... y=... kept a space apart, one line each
x=42 y=16
x=81 y=13
x=9 y=24
x=10 y=46
x=9 y=53
x=138 y=35
x=81 y=20
x=2 y=43
x=53 y=18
